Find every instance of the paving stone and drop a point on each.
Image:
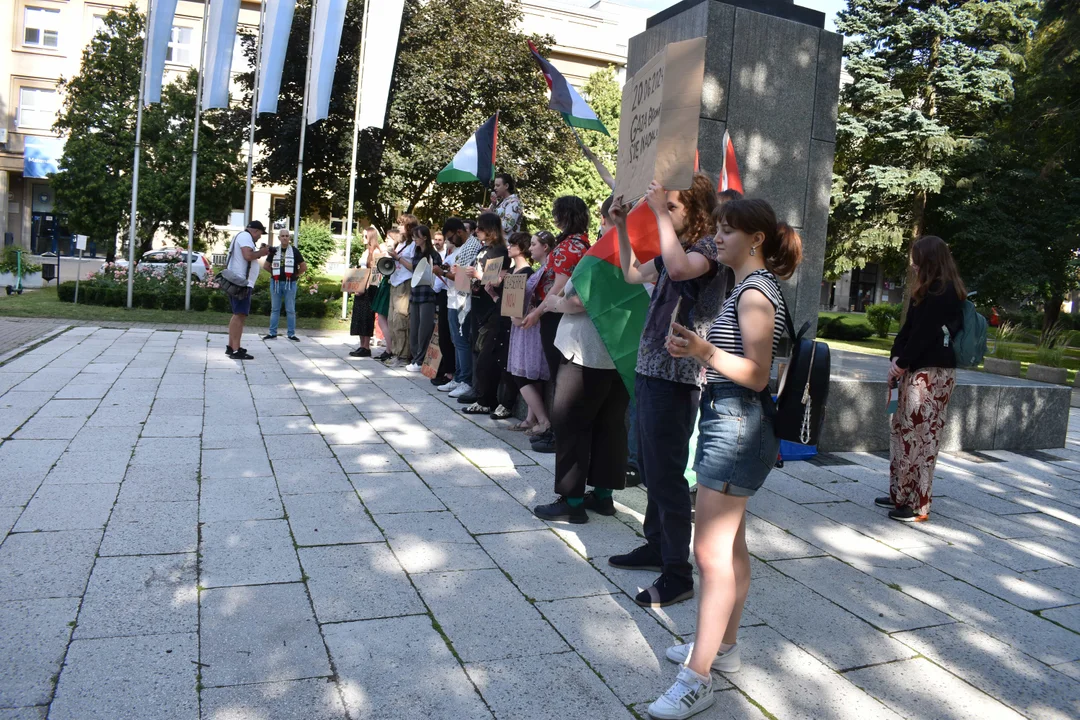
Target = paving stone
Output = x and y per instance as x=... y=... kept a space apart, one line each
x=468 y=604
x=50 y=428
x=543 y=567
x=235 y=463
x=1067 y=616
x=600 y=537
x=798 y=490
x=227 y=499
x=492 y=453
x=448 y=469
x=17 y=492
x=172 y=426
x=146 y=595
x=38 y=712
x=1004 y=552
x=148 y=483
x=329 y=519
x=398 y=492
x=1062 y=578
x=8 y=516
x=416 y=442
x=530 y=485
x=298 y=446
x=247 y=553
x=538 y=688
x=368 y=459
x=814 y=474
x=488 y=510
x=103 y=441
x=923 y=689
x=21 y=458
x=125 y=416
x=357 y=582
x=33 y=642
x=620 y=641
x=216 y=436
x=1069 y=669
x=876 y=524
x=290 y=425
x=875 y=602
x=313 y=699
x=68 y=408
x=1056 y=549
x=277 y=407
x=353 y=432
x=768 y=542
x=1017 y=680
x=432 y=542
x=88 y=467
x=407 y=647
x=68 y=507
x=133 y=677
x=145 y=528
x=301 y=477
x=1021 y=629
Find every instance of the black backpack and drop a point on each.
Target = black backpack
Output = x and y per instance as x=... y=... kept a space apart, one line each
x=803 y=389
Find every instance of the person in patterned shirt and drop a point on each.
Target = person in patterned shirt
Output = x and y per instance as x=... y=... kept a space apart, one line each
x=506 y=204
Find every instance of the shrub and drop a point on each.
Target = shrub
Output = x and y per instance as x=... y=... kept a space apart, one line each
x=1050 y=356
x=881 y=317
x=312 y=306
x=316 y=243
x=172 y=301
x=837 y=329
x=219 y=302
x=200 y=301
x=9 y=263
x=65 y=291
x=1006 y=333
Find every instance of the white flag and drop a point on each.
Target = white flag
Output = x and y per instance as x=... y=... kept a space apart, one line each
x=157 y=43
x=329 y=19
x=380 y=50
x=275 y=43
x=220 y=40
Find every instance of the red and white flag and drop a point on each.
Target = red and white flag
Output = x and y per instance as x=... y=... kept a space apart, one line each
x=729 y=171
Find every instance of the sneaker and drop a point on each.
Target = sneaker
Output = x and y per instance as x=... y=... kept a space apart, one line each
x=294 y=338
x=727 y=662
x=469 y=398
x=641 y=558
x=633 y=477
x=360 y=352
x=906 y=514
x=543 y=443
x=242 y=354
x=665 y=591
x=460 y=390
x=413 y=367
x=561 y=510
x=384 y=357
x=501 y=413
x=229 y=351
x=885 y=501
x=270 y=337
x=449 y=387
x=600 y=506
x=691 y=694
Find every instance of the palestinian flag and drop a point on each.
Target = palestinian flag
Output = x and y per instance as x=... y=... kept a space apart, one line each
x=565 y=99
x=729 y=171
x=616 y=308
x=476 y=160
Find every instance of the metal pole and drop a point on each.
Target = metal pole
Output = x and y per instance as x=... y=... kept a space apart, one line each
x=135 y=172
x=77 y=274
x=352 y=167
x=254 y=111
x=303 y=127
x=195 y=161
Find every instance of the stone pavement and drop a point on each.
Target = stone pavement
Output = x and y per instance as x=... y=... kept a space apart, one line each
x=17 y=332
x=311 y=536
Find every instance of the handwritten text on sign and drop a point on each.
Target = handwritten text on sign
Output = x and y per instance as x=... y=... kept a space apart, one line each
x=648 y=102
x=513 y=297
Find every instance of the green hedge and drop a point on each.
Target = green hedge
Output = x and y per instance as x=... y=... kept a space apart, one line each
x=837 y=329
x=307 y=305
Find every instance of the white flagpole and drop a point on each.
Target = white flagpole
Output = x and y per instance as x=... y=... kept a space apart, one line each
x=303 y=124
x=135 y=171
x=352 y=167
x=255 y=89
x=195 y=158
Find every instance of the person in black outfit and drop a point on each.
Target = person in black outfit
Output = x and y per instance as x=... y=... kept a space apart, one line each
x=488 y=336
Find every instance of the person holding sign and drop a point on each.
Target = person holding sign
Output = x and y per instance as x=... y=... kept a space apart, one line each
x=285 y=265
x=517 y=245
x=526 y=362
x=363 y=315
x=486 y=335
x=400 y=290
x=731 y=466
x=459 y=303
x=422 y=297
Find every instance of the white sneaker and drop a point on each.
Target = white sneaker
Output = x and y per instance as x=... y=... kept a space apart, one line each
x=690 y=695
x=413 y=367
x=460 y=390
x=727 y=662
x=449 y=387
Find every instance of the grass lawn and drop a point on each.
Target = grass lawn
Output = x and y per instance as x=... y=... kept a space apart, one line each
x=44 y=304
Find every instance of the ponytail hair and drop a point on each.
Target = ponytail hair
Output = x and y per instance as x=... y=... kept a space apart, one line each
x=782 y=247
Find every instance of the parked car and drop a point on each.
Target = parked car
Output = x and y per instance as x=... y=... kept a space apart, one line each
x=171 y=257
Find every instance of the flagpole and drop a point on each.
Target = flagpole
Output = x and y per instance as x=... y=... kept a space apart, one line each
x=195 y=158
x=255 y=90
x=352 y=167
x=135 y=170
x=303 y=125
x=605 y=174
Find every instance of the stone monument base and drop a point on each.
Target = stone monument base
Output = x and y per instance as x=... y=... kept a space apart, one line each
x=986 y=412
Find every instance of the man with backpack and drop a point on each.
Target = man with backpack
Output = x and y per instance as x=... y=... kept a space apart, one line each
x=243 y=261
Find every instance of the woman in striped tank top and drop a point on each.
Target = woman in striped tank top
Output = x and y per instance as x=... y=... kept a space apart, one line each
x=736 y=446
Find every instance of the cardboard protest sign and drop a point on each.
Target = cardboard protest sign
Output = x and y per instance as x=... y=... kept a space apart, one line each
x=658 y=133
x=432 y=357
x=513 y=297
x=462 y=281
x=355 y=281
x=492 y=268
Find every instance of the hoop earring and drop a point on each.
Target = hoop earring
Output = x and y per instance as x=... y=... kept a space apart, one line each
x=752 y=251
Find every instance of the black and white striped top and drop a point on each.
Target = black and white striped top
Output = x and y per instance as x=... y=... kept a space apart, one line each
x=725 y=333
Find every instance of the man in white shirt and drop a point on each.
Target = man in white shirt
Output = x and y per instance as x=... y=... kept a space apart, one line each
x=244 y=260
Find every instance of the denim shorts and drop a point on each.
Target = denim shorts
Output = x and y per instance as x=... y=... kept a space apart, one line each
x=736 y=445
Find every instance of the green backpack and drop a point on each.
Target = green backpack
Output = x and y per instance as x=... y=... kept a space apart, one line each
x=969 y=344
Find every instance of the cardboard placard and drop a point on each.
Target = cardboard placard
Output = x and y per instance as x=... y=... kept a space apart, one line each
x=432 y=357
x=492 y=268
x=513 y=296
x=462 y=281
x=355 y=280
x=661 y=107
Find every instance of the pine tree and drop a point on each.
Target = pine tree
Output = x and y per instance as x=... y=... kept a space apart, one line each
x=928 y=77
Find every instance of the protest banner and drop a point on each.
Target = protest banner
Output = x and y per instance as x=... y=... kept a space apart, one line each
x=355 y=281
x=492 y=268
x=433 y=356
x=513 y=297
x=658 y=134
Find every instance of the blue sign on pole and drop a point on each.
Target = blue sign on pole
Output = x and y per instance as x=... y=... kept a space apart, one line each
x=41 y=156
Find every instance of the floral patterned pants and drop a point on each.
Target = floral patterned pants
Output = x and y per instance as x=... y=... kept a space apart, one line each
x=916 y=433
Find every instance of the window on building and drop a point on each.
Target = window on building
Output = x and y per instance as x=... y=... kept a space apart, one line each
x=179 y=50
x=99 y=25
x=37 y=108
x=41 y=27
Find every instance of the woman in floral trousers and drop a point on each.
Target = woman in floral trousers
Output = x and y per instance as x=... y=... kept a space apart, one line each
x=924 y=371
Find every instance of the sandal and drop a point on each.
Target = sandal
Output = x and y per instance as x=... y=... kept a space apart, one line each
x=476 y=409
x=501 y=413
x=523 y=425
x=537 y=430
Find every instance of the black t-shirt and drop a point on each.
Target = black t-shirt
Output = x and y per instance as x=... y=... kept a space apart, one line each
x=482 y=301
x=297 y=259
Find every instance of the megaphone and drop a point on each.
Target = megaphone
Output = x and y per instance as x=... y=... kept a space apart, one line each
x=385 y=266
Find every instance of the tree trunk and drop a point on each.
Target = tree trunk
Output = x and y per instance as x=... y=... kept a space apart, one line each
x=1051 y=310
